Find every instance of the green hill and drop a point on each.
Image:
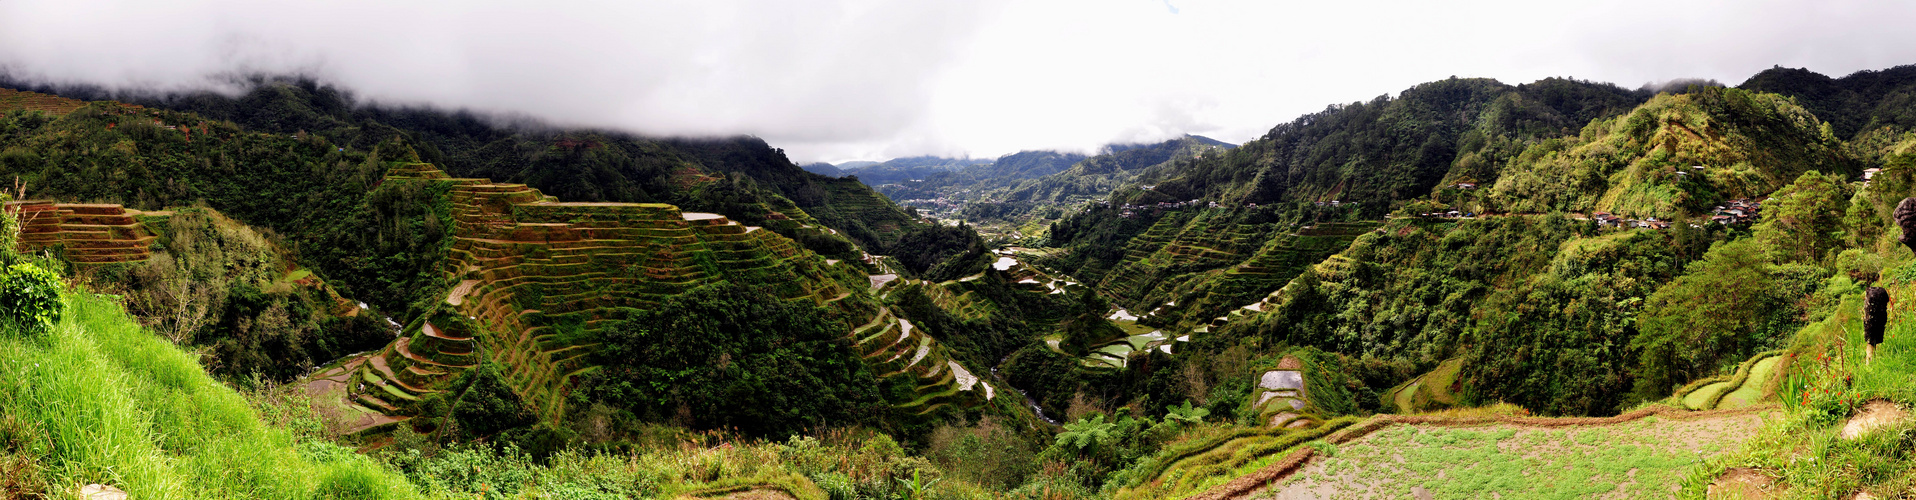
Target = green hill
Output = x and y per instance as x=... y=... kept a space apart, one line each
x=584 y=165
x=1673 y=156
x=98 y=399
x=1868 y=107
x=580 y=313
x=534 y=286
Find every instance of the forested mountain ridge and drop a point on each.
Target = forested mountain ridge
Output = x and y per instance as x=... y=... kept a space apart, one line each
x=1024 y=186
x=1098 y=175
x=585 y=165
x=1366 y=157
x=1871 y=109
x=1675 y=156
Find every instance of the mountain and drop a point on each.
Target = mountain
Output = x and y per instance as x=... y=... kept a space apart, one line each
x=1864 y=104
x=906 y=171
x=1673 y=156
x=1366 y=156
x=583 y=165
x=486 y=308
x=825 y=169
x=1013 y=186
x=1113 y=167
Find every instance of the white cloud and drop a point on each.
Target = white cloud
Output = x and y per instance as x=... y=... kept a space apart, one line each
x=844 y=79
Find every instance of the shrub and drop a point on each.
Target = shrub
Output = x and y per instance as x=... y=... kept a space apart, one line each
x=30 y=296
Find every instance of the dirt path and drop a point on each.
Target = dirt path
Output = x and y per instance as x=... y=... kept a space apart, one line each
x=1561 y=458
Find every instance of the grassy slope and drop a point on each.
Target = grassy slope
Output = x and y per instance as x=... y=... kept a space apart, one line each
x=102 y=400
x=1632 y=459
x=1827 y=380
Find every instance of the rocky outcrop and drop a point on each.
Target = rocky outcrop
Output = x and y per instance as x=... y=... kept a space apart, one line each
x=1906 y=219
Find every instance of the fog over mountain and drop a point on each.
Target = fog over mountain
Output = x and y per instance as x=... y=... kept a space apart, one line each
x=837 y=80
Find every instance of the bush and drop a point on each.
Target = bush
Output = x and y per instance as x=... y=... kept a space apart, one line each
x=30 y=296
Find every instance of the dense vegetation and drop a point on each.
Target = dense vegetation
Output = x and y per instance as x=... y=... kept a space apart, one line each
x=577 y=165
x=224 y=286
x=726 y=356
x=282 y=225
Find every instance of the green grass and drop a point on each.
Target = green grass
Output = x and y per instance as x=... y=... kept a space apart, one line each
x=1701 y=398
x=1505 y=462
x=1827 y=380
x=98 y=399
x=1752 y=389
x=1430 y=391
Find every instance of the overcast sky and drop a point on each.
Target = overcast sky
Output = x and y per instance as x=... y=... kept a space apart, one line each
x=836 y=80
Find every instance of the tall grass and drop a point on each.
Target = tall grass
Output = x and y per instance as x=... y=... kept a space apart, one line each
x=101 y=400
x=1827 y=382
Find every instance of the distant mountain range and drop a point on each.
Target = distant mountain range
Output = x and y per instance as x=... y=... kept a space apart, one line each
x=1020 y=180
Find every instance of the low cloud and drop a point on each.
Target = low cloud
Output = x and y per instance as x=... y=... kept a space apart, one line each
x=837 y=80
x=824 y=72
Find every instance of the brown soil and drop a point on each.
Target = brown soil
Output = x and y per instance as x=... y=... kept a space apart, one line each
x=1743 y=483
x=763 y=494
x=1875 y=415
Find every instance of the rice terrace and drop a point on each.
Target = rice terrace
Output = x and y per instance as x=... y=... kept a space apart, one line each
x=835 y=250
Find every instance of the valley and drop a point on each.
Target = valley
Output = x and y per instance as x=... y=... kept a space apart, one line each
x=1547 y=290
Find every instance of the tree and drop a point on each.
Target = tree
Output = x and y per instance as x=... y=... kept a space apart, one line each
x=1186 y=414
x=728 y=356
x=1804 y=221
x=1702 y=317
x=1087 y=434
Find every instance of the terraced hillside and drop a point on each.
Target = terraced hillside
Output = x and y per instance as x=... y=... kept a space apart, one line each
x=1754 y=380
x=88 y=235
x=1210 y=298
x=1180 y=243
x=34 y=101
x=529 y=278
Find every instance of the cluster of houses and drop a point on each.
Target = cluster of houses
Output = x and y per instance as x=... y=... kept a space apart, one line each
x=1736 y=212
x=1335 y=203
x=1132 y=210
x=1606 y=219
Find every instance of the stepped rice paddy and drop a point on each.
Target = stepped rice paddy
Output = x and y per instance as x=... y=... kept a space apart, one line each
x=527 y=275
x=88 y=235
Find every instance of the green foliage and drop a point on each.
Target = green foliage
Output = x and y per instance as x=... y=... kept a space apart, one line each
x=109 y=402
x=940 y=252
x=1727 y=306
x=1558 y=344
x=30 y=297
x=727 y=356
x=219 y=284
x=1185 y=414
x=392 y=258
x=487 y=406
x=1087 y=433
x=1829 y=381
x=917 y=487
x=1642 y=164
x=989 y=454
x=1804 y=221
x=1854 y=105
